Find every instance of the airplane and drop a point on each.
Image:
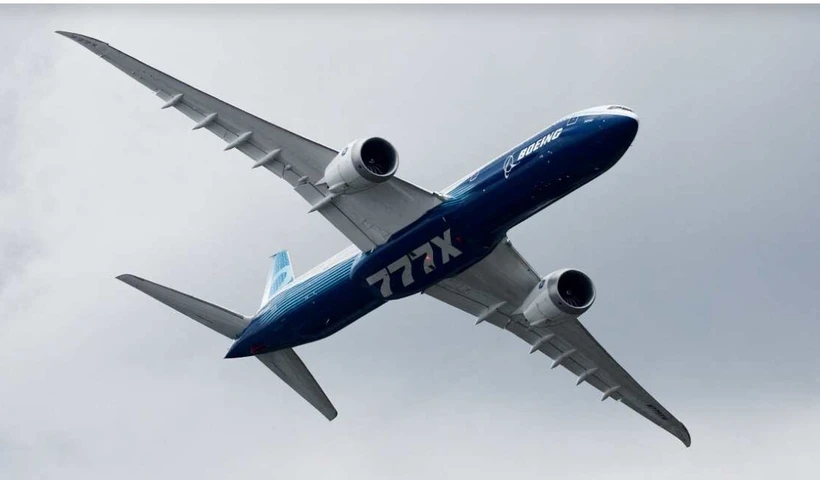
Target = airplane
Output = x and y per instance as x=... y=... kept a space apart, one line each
x=450 y=245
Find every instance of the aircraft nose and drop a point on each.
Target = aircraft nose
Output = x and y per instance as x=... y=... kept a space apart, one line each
x=620 y=130
x=625 y=126
x=613 y=137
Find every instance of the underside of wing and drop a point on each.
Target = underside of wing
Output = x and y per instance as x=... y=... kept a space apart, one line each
x=495 y=290
x=367 y=218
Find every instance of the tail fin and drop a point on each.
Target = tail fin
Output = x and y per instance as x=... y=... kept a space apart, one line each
x=281 y=274
x=214 y=317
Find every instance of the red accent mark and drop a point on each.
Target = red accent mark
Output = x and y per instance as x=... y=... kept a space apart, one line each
x=257 y=348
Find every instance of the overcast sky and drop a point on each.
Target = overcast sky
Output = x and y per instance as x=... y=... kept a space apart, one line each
x=702 y=242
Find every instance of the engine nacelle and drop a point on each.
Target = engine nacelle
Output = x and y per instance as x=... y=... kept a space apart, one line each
x=361 y=165
x=561 y=295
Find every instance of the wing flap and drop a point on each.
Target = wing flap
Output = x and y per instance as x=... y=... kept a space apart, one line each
x=287 y=365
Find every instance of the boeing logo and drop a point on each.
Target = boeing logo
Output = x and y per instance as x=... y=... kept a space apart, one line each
x=509 y=163
x=540 y=143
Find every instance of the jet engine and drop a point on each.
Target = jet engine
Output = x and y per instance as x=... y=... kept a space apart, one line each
x=361 y=165
x=561 y=295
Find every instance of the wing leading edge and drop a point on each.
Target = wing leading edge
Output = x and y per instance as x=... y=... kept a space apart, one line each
x=494 y=289
x=366 y=218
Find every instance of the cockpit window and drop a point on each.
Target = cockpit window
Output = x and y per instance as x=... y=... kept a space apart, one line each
x=619 y=107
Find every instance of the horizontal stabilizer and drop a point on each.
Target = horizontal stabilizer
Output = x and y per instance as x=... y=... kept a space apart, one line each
x=290 y=368
x=284 y=363
x=216 y=318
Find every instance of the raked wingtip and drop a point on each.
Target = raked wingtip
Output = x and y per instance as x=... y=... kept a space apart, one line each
x=84 y=40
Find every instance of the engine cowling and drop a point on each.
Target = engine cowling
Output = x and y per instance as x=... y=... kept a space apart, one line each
x=561 y=295
x=361 y=165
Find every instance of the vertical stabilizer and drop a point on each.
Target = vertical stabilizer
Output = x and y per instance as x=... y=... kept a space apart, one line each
x=281 y=274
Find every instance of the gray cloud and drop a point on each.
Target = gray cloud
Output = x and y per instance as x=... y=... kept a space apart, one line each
x=25 y=63
x=701 y=242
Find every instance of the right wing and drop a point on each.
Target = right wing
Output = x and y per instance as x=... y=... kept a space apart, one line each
x=367 y=218
x=494 y=290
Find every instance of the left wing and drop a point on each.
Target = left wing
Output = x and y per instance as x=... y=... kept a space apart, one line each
x=367 y=218
x=504 y=278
